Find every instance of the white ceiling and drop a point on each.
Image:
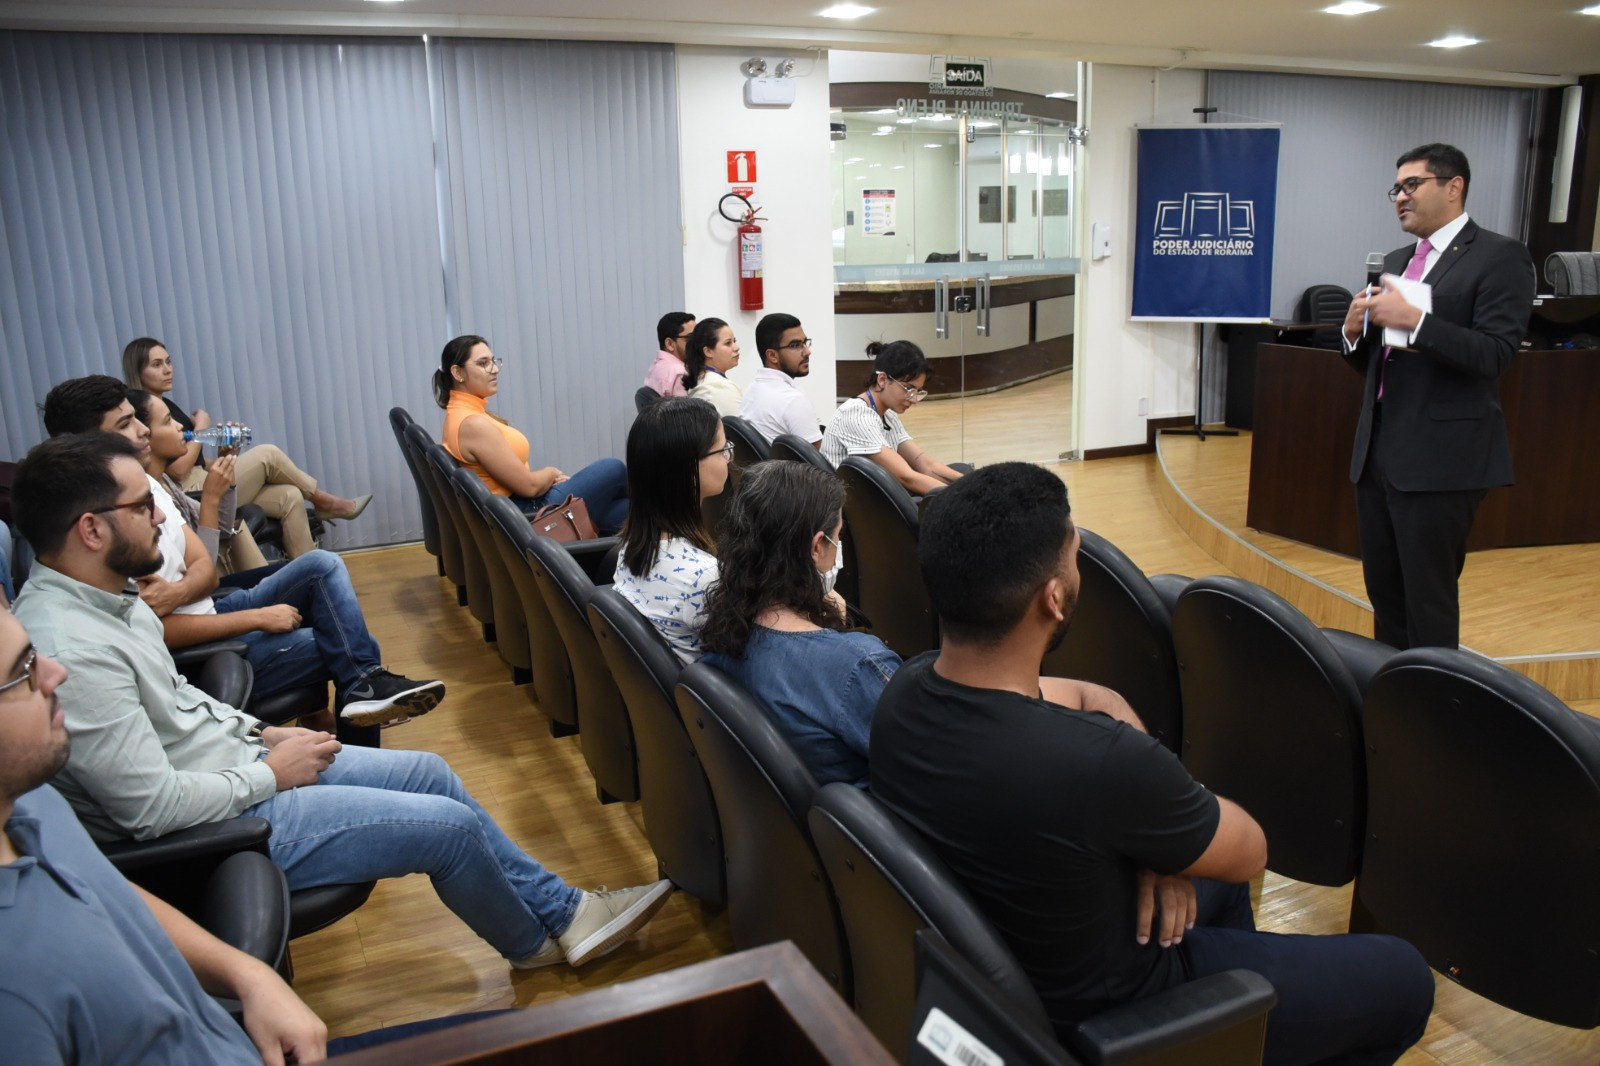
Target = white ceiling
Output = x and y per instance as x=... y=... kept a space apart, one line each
x=1524 y=41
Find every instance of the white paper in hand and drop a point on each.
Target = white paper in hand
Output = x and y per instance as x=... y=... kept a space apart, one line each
x=1418 y=294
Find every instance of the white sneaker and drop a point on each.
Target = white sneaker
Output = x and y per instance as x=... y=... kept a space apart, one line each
x=549 y=954
x=605 y=919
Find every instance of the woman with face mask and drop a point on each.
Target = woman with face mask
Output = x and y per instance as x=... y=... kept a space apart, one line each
x=773 y=623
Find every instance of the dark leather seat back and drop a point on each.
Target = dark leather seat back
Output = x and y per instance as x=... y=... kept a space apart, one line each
x=790 y=448
x=776 y=886
x=1483 y=824
x=510 y=629
x=749 y=446
x=474 y=583
x=1272 y=720
x=604 y=733
x=1121 y=637
x=552 y=687
x=1325 y=303
x=680 y=814
x=890 y=884
x=643 y=397
x=450 y=564
x=399 y=419
x=881 y=521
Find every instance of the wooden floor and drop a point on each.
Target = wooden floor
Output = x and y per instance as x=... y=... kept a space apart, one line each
x=403 y=956
x=1031 y=422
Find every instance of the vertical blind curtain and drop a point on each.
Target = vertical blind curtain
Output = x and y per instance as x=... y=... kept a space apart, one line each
x=1341 y=137
x=563 y=227
x=281 y=212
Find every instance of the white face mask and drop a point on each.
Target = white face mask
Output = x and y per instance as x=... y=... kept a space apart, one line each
x=832 y=574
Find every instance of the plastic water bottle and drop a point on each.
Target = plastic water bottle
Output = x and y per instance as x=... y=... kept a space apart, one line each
x=221 y=436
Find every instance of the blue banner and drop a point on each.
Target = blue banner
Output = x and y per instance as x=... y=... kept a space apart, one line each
x=1203 y=236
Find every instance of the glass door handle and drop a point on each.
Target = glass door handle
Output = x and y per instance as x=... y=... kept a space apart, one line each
x=941 y=307
x=984 y=305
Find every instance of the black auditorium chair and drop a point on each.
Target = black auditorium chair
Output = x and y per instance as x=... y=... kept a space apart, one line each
x=1483 y=831
x=510 y=629
x=1121 y=637
x=170 y=866
x=951 y=985
x=551 y=690
x=643 y=397
x=1324 y=305
x=451 y=565
x=604 y=733
x=776 y=886
x=790 y=448
x=881 y=552
x=480 y=596
x=890 y=884
x=1272 y=720
x=749 y=446
x=680 y=815
x=399 y=419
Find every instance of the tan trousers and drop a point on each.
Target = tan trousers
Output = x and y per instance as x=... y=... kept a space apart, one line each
x=269 y=479
x=239 y=552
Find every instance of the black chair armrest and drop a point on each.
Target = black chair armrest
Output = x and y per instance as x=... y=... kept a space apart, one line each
x=245 y=833
x=225 y=677
x=245 y=904
x=197 y=654
x=252 y=517
x=1176 y=1018
x=598 y=557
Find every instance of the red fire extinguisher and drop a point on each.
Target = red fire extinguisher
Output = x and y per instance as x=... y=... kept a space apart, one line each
x=751 y=289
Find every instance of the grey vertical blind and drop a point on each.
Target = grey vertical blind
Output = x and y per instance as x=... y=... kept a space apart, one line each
x=1340 y=140
x=563 y=227
x=282 y=212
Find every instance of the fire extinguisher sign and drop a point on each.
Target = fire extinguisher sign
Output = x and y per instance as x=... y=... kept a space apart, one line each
x=741 y=168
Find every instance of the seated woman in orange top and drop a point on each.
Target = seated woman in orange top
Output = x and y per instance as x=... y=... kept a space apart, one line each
x=468 y=374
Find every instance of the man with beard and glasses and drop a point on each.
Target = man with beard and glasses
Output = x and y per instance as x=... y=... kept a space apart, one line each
x=773 y=403
x=152 y=754
x=1110 y=872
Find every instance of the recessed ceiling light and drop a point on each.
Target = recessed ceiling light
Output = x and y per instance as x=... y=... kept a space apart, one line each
x=1593 y=9
x=885 y=129
x=1351 y=7
x=905 y=122
x=933 y=146
x=1058 y=96
x=1457 y=41
x=846 y=11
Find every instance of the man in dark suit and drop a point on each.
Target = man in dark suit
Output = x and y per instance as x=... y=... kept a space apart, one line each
x=1432 y=437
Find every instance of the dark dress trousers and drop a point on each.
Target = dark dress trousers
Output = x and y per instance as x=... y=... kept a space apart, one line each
x=1427 y=452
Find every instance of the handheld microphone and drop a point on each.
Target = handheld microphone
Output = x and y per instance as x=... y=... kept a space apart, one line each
x=1374 y=274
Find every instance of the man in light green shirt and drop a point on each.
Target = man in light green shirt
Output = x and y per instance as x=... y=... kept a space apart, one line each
x=151 y=754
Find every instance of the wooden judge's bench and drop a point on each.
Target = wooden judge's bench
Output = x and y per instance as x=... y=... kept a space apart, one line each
x=1307 y=401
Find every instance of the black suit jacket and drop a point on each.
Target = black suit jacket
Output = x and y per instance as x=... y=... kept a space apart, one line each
x=1443 y=428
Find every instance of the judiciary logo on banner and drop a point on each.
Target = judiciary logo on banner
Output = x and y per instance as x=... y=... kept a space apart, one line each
x=1203 y=240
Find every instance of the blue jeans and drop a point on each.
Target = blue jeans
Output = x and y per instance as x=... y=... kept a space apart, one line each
x=378 y=813
x=603 y=487
x=332 y=639
x=1359 y=999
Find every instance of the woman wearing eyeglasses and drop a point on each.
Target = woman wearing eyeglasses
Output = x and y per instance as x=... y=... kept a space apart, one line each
x=677 y=459
x=774 y=624
x=489 y=446
x=869 y=424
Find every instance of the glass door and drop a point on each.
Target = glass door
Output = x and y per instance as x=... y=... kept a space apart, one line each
x=954 y=231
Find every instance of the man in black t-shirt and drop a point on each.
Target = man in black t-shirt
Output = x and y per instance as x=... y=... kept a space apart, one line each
x=1110 y=872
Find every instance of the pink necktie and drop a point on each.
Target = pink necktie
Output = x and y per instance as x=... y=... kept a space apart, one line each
x=1413 y=273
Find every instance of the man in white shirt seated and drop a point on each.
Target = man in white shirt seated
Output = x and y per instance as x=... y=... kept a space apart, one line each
x=773 y=403
x=314 y=589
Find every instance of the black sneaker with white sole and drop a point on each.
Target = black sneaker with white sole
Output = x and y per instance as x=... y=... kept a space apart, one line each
x=383 y=698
